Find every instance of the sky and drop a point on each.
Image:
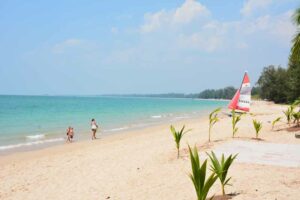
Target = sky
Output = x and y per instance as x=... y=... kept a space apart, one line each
x=95 y=47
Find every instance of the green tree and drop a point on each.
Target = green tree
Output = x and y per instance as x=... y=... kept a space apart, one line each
x=273 y=84
x=295 y=51
x=294 y=61
x=293 y=80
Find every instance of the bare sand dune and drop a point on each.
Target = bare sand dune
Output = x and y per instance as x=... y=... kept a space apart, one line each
x=142 y=164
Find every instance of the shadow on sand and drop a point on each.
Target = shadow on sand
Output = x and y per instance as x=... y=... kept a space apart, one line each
x=228 y=196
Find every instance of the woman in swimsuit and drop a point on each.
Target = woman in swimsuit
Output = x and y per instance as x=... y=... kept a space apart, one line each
x=94 y=128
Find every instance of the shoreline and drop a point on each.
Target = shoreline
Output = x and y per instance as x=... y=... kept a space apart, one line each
x=117 y=135
x=142 y=164
x=84 y=135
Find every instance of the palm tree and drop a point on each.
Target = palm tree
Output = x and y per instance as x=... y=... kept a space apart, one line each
x=235 y=120
x=202 y=183
x=275 y=121
x=297 y=118
x=257 y=126
x=220 y=168
x=295 y=51
x=213 y=118
x=289 y=113
x=178 y=136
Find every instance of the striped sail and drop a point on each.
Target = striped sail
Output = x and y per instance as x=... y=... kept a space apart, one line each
x=242 y=97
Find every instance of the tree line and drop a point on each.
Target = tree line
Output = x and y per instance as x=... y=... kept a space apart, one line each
x=282 y=85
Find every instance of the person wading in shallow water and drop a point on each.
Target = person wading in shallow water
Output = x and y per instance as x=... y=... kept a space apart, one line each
x=70 y=134
x=94 y=127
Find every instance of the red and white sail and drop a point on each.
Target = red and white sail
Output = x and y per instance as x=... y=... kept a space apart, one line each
x=242 y=97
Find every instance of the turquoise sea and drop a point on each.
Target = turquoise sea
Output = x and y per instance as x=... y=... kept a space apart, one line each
x=38 y=121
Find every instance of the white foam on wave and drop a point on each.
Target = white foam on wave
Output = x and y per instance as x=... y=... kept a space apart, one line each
x=181 y=117
x=156 y=116
x=35 y=137
x=27 y=144
x=118 y=129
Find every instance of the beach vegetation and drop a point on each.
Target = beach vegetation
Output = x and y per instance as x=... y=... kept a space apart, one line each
x=275 y=121
x=178 y=136
x=296 y=117
x=213 y=118
x=198 y=176
x=257 y=126
x=295 y=50
x=235 y=119
x=273 y=84
x=281 y=85
x=220 y=168
x=224 y=93
x=289 y=113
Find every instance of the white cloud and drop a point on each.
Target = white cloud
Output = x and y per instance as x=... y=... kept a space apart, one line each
x=282 y=27
x=190 y=29
x=154 y=21
x=251 y=6
x=189 y=11
x=60 y=47
x=277 y=27
x=200 y=41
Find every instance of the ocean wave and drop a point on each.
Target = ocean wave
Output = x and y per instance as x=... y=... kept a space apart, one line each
x=13 y=146
x=117 y=129
x=156 y=116
x=35 y=137
x=181 y=117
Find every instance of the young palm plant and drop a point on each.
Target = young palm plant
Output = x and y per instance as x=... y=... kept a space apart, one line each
x=235 y=120
x=257 y=126
x=296 y=116
x=178 y=136
x=220 y=168
x=289 y=113
x=213 y=118
x=198 y=175
x=275 y=121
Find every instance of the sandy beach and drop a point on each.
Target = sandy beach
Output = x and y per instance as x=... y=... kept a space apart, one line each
x=142 y=164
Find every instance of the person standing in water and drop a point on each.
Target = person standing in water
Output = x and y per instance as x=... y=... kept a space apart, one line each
x=70 y=134
x=94 y=127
